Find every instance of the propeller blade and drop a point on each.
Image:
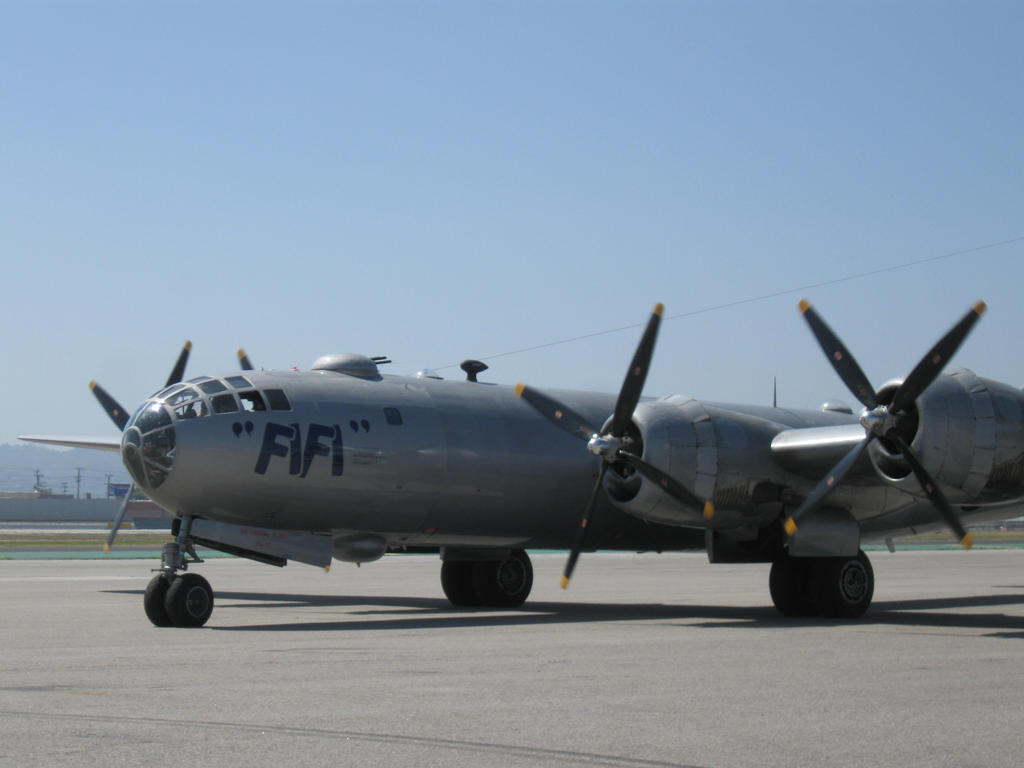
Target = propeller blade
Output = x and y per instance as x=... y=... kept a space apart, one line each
x=633 y=384
x=931 y=364
x=828 y=484
x=581 y=534
x=558 y=414
x=837 y=353
x=113 y=408
x=118 y=519
x=178 y=372
x=931 y=489
x=669 y=484
x=244 y=361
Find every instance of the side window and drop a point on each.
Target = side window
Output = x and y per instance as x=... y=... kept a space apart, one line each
x=225 y=403
x=393 y=416
x=194 y=410
x=277 y=400
x=252 y=401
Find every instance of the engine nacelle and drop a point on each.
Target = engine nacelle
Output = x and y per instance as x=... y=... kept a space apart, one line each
x=719 y=454
x=969 y=434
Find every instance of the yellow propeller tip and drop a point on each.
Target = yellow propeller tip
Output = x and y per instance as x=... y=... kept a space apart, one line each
x=92 y=384
x=709 y=510
x=565 y=582
x=241 y=353
x=106 y=549
x=980 y=307
x=967 y=542
x=519 y=389
x=804 y=305
x=327 y=569
x=188 y=345
x=790 y=526
x=659 y=309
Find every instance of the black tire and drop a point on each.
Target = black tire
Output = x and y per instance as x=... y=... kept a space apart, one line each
x=844 y=586
x=153 y=601
x=790 y=583
x=457 y=583
x=504 y=583
x=189 y=600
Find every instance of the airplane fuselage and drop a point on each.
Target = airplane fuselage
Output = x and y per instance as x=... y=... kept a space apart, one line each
x=434 y=463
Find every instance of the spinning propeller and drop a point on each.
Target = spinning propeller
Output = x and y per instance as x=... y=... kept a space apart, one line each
x=612 y=445
x=119 y=416
x=882 y=420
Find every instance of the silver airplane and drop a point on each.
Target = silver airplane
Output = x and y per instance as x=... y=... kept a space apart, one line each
x=342 y=462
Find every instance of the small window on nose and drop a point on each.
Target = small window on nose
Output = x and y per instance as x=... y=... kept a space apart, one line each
x=252 y=401
x=277 y=399
x=224 y=403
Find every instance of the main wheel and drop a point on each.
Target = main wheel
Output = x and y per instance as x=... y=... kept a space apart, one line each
x=843 y=586
x=153 y=601
x=457 y=583
x=189 y=600
x=790 y=583
x=504 y=583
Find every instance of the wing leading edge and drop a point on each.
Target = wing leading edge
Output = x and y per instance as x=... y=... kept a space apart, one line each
x=812 y=451
x=92 y=443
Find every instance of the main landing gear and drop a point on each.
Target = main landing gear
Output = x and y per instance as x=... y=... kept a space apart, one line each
x=175 y=599
x=836 y=587
x=504 y=583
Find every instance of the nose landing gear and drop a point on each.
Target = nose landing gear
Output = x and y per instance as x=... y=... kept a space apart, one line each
x=175 y=599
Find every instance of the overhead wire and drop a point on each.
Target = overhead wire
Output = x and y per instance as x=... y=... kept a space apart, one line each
x=755 y=299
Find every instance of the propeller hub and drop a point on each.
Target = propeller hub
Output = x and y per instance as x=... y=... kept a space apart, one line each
x=879 y=420
x=605 y=446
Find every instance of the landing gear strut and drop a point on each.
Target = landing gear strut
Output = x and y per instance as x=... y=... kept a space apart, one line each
x=175 y=599
x=836 y=587
x=502 y=583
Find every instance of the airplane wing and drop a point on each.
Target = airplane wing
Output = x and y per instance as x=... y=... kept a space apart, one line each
x=94 y=443
x=811 y=451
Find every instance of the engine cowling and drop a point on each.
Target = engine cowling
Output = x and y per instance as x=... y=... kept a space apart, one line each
x=720 y=455
x=969 y=434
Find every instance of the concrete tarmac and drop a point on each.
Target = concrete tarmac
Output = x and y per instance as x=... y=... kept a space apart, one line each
x=648 y=660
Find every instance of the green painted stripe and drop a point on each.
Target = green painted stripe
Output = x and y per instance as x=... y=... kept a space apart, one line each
x=133 y=555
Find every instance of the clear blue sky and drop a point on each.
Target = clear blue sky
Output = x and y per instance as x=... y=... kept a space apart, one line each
x=442 y=180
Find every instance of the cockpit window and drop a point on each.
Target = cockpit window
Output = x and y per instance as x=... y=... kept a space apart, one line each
x=239 y=382
x=212 y=387
x=182 y=396
x=152 y=417
x=147 y=446
x=278 y=400
x=158 y=448
x=168 y=390
x=225 y=403
x=252 y=401
x=194 y=410
x=197 y=379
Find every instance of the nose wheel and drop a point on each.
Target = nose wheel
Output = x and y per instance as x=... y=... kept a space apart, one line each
x=174 y=599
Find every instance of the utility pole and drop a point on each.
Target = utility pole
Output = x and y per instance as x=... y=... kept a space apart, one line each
x=78 y=482
x=109 y=475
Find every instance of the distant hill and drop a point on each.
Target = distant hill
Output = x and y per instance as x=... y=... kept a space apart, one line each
x=18 y=463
